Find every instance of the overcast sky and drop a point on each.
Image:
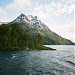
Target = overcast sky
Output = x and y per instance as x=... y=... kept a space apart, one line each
x=58 y=15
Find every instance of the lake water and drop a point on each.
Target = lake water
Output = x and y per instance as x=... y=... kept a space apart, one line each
x=59 y=62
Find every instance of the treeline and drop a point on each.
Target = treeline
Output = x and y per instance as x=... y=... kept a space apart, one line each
x=13 y=36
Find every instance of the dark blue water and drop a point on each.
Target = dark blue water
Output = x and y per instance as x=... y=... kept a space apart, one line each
x=59 y=62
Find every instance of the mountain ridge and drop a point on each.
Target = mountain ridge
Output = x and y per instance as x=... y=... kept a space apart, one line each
x=34 y=26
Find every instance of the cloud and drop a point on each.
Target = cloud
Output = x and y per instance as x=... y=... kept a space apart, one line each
x=67 y=31
x=68 y=28
x=54 y=8
x=18 y=4
x=1 y=11
x=39 y=11
x=13 y=8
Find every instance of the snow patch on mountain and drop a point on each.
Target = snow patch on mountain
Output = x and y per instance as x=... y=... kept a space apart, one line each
x=30 y=21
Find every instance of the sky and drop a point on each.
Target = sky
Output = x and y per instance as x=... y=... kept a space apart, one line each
x=58 y=15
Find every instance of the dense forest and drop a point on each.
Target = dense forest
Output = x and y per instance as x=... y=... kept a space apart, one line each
x=13 y=36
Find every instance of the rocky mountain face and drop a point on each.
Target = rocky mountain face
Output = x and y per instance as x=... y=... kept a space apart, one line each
x=33 y=25
x=30 y=22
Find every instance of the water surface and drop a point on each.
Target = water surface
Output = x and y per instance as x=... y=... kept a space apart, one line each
x=59 y=62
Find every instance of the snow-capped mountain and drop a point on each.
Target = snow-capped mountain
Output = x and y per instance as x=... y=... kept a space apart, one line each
x=30 y=21
x=34 y=25
x=22 y=19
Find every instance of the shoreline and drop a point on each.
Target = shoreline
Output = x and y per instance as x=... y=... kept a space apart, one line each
x=27 y=49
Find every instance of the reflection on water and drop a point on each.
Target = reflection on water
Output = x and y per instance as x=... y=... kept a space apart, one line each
x=59 y=62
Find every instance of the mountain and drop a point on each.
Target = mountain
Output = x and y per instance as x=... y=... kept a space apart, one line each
x=31 y=26
x=36 y=26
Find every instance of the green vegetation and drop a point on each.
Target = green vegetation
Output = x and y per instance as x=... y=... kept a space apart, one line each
x=51 y=38
x=13 y=36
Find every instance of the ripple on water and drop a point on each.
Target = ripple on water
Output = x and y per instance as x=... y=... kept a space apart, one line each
x=37 y=63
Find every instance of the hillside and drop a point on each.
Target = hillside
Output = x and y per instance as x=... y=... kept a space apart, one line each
x=13 y=36
x=36 y=26
x=29 y=32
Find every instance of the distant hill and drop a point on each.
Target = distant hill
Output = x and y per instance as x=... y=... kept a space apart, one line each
x=28 y=31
